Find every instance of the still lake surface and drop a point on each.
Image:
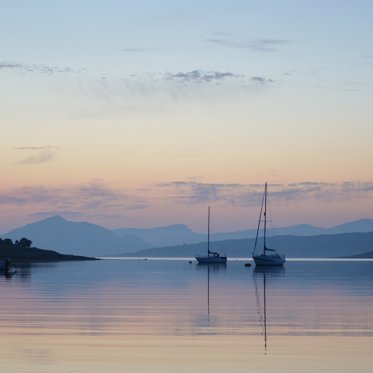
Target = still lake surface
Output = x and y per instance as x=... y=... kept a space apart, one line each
x=172 y=316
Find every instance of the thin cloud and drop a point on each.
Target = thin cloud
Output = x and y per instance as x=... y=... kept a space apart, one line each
x=255 y=45
x=153 y=91
x=36 y=147
x=201 y=76
x=33 y=68
x=261 y=80
x=91 y=197
x=40 y=154
x=192 y=192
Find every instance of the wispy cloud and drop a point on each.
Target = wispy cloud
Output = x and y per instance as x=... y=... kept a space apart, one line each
x=261 y=80
x=32 y=68
x=36 y=147
x=255 y=45
x=193 y=192
x=37 y=154
x=97 y=196
x=201 y=76
x=91 y=197
x=156 y=91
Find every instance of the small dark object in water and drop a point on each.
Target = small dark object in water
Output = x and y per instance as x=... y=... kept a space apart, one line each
x=247 y=264
x=190 y=262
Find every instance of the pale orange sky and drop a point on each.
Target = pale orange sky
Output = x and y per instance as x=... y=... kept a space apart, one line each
x=103 y=131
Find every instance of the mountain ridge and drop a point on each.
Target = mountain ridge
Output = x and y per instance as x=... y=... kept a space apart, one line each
x=322 y=246
x=87 y=239
x=189 y=236
x=78 y=238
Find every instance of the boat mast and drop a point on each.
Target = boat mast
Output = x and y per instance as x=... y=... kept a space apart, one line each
x=208 y=232
x=265 y=218
x=259 y=221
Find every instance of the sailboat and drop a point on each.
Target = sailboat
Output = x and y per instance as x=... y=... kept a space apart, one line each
x=268 y=257
x=8 y=267
x=212 y=257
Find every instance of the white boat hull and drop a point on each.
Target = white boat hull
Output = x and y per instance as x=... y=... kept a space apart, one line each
x=211 y=259
x=269 y=260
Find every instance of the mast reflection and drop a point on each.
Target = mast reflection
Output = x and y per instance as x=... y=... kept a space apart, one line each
x=210 y=269
x=264 y=275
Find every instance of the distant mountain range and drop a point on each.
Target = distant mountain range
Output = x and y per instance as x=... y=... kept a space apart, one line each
x=163 y=236
x=322 y=246
x=82 y=238
x=366 y=255
x=180 y=234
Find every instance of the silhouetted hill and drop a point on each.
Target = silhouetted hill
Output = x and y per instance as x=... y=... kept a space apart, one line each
x=295 y=230
x=179 y=234
x=366 y=255
x=33 y=254
x=361 y=225
x=81 y=238
x=323 y=246
x=163 y=236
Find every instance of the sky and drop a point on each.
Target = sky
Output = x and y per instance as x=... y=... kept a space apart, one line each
x=141 y=114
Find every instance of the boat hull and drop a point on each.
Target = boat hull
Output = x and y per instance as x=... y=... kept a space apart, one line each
x=269 y=260
x=211 y=259
x=7 y=267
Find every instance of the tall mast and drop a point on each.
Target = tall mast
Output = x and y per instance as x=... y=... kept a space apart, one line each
x=208 y=231
x=265 y=217
x=259 y=221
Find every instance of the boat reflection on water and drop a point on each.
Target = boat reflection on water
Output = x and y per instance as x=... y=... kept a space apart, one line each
x=263 y=277
x=213 y=268
x=210 y=268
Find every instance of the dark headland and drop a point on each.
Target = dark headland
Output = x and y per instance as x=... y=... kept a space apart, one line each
x=22 y=251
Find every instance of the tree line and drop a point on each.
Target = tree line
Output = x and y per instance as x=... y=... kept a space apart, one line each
x=23 y=243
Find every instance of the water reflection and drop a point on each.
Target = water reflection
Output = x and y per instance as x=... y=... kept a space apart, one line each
x=222 y=315
x=211 y=270
x=24 y=270
x=262 y=278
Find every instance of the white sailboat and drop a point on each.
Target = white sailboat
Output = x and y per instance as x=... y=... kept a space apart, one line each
x=212 y=257
x=268 y=257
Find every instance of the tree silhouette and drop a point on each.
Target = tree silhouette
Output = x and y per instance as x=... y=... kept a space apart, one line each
x=25 y=243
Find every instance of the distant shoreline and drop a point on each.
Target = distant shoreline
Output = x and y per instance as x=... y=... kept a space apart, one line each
x=22 y=252
x=240 y=259
x=37 y=259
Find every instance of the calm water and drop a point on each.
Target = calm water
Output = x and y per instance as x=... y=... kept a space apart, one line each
x=172 y=316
